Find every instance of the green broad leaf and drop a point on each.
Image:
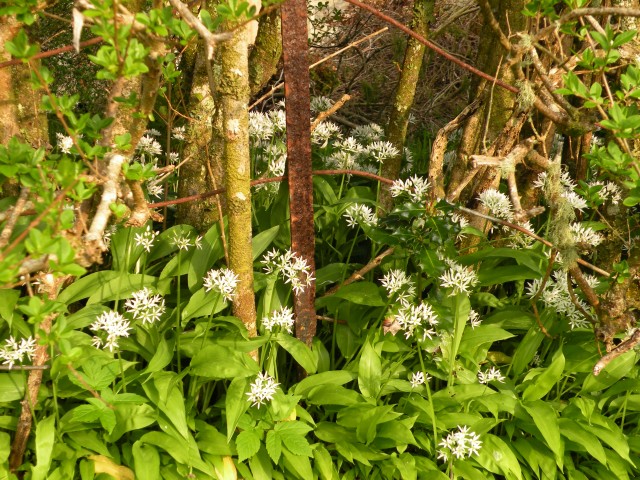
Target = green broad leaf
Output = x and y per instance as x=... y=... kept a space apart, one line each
x=130 y=417
x=482 y=335
x=612 y=436
x=332 y=273
x=529 y=258
x=146 y=461
x=465 y=470
x=573 y=431
x=45 y=440
x=530 y=343
x=11 y=386
x=370 y=372
x=323 y=463
x=405 y=463
x=274 y=446
x=218 y=362
x=261 y=466
x=302 y=354
x=334 y=377
x=544 y=382
x=202 y=304
x=236 y=404
x=330 y=432
x=262 y=241
x=333 y=395
x=298 y=445
x=179 y=451
x=536 y=454
x=545 y=418
x=461 y=310
x=247 y=444
x=497 y=457
x=162 y=356
x=298 y=464
x=91 y=440
x=164 y=391
x=210 y=440
x=123 y=285
x=510 y=273
x=361 y=293
x=614 y=371
x=8 y=300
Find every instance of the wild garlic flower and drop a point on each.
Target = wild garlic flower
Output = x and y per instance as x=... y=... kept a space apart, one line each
x=148 y=145
x=556 y=297
x=491 y=375
x=293 y=268
x=114 y=325
x=198 y=242
x=145 y=239
x=585 y=235
x=145 y=306
x=566 y=181
x=497 y=203
x=609 y=191
x=65 y=143
x=360 y=214
x=419 y=378
x=223 y=281
x=382 y=151
x=462 y=279
x=396 y=282
x=15 y=352
x=282 y=318
x=174 y=157
x=342 y=159
x=416 y=188
x=153 y=132
x=324 y=132
x=460 y=444
x=575 y=200
x=154 y=189
x=260 y=127
x=321 y=104
x=183 y=242
x=416 y=319
x=521 y=240
x=179 y=132
x=262 y=389
x=278 y=120
x=474 y=319
x=368 y=133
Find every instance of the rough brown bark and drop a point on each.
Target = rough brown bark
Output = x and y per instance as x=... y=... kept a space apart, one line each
x=296 y=74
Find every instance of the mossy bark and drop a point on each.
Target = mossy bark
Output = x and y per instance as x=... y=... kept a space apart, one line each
x=405 y=94
x=233 y=92
x=266 y=53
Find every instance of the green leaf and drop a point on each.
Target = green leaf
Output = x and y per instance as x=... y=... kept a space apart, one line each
x=323 y=463
x=11 y=386
x=573 y=431
x=162 y=356
x=334 y=377
x=497 y=457
x=546 y=419
x=298 y=464
x=482 y=335
x=45 y=440
x=248 y=444
x=218 y=362
x=274 y=446
x=8 y=300
x=530 y=343
x=333 y=395
x=236 y=404
x=262 y=240
x=361 y=293
x=298 y=445
x=202 y=304
x=299 y=351
x=165 y=391
x=146 y=461
x=369 y=372
x=614 y=371
x=543 y=383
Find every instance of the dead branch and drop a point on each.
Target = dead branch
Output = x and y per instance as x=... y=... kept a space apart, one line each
x=333 y=109
x=359 y=275
x=622 y=348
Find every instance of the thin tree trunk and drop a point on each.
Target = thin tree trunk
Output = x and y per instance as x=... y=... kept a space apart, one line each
x=405 y=93
x=266 y=52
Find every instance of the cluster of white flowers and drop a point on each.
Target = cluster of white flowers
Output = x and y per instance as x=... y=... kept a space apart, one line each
x=396 y=282
x=262 y=389
x=145 y=306
x=416 y=319
x=179 y=132
x=65 y=143
x=382 y=150
x=294 y=269
x=419 y=378
x=114 y=325
x=360 y=214
x=556 y=297
x=462 y=279
x=521 y=240
x=460 y=444
x=320 y=104
x=223 y=280
x=183 y=242
x=14 y=352
x=264 y=126
x=491 y=375
x=368 y=133
x=568 y=186
x=324 y=132
x=174 y=157
x=609 y=191
x=474 y=319
x=155 y=188
x=153 y=132
x=416 y=188
x=282 y=318
x=585 y=236
x=149 y=146
x=145 y=239
x=497 y=203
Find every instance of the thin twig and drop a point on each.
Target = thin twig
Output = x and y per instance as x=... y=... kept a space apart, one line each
x=333 y=109
x=359 y=275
